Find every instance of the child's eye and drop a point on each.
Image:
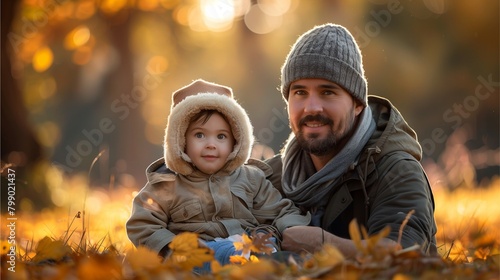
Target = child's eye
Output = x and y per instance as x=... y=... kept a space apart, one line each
x=199 y=135
x=221 y=136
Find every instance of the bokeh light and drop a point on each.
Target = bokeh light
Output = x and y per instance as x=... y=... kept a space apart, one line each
x=217 y=14
x=43 y=59
x=49 y=134
x=261 y=22
x=112 y=6
x=77 y=37
x=274 y=7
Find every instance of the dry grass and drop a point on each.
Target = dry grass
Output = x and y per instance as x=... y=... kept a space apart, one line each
x=94 y=230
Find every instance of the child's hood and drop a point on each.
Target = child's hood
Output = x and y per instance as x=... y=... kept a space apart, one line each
x=190 y=100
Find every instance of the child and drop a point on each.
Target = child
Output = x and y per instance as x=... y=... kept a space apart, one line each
x=202 y=184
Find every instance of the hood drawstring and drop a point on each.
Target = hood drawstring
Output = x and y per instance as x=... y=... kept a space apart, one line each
x=363 y=175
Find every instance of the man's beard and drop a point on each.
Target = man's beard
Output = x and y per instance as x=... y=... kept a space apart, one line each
x=319 y=147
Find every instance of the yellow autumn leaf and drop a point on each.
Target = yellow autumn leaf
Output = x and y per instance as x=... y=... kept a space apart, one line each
x=328 y=256
x=245 y=245
x=49 y=249
x=241 y=259
x=364 y=233
x=143 y=258
x=323 y=261
x=215 y=266
x=99 y=267
x=255 y=270
x=373 y=241
x=238 y=259
x=4 y=247
x=254 y=258
x=184 y=242
x=187 y=253
x=262 y=244
x=356 y=236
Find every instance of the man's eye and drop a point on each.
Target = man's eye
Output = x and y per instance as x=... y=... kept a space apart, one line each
x=299 y=92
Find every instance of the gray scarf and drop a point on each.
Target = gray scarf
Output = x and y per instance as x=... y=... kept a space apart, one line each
x=306 y=187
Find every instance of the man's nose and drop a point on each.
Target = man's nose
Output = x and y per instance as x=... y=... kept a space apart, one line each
x=313 y=104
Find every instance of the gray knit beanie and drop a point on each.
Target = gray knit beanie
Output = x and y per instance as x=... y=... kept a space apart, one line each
x=327 y=52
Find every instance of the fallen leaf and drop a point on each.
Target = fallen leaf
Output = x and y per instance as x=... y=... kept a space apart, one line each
x=187 y=253
x=143 y=258
x=53 y=250
x=356 y=236
x=245 y=245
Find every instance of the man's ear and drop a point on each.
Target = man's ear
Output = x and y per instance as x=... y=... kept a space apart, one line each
x=358 y=107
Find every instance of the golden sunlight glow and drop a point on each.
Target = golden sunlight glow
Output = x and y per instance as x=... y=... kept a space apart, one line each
x=157 y=64
x=147 y=5
x=241 y=7
x=169 y=4
x=63 y=11
x=54 y=178
x=59 y=197
x=84 y=9
x=181 y=15
x=260 y=22
x=218 y=15
x=112 y=6
x=77 y=37
x=42 y=59
x=462 y=211
x=95 y=201
x=274 y=7
x=48 y=134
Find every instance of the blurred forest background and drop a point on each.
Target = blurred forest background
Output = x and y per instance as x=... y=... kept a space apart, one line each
x=86 y=84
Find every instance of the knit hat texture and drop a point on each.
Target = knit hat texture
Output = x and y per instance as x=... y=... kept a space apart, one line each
x=327 y=52
x=190 y=100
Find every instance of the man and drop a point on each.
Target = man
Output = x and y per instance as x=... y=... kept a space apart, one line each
x=349 y=156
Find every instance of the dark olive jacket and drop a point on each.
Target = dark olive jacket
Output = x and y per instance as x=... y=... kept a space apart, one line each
x=385 y=184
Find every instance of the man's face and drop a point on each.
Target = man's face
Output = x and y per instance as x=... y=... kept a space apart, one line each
x=321 y=114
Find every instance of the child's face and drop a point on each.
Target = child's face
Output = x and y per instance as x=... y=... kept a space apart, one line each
x=209 y=144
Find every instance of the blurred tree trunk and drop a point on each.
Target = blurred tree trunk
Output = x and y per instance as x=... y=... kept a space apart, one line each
x=17 y=132
x=19 y=145
x=128 y=139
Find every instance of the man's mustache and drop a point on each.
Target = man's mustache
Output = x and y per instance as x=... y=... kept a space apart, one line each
x=316 y=118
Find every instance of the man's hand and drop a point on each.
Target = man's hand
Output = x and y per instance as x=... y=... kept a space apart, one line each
x=309 y=239
x=301 y=239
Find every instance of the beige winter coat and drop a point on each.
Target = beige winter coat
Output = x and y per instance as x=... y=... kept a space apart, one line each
x=213 y=206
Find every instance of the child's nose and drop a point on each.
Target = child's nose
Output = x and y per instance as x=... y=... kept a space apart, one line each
x=210 y=144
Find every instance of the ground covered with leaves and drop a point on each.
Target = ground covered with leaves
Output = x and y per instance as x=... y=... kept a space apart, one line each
x=54 y=259
x=91 y=243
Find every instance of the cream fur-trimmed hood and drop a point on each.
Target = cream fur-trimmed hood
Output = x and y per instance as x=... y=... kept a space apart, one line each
x=178 y=121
